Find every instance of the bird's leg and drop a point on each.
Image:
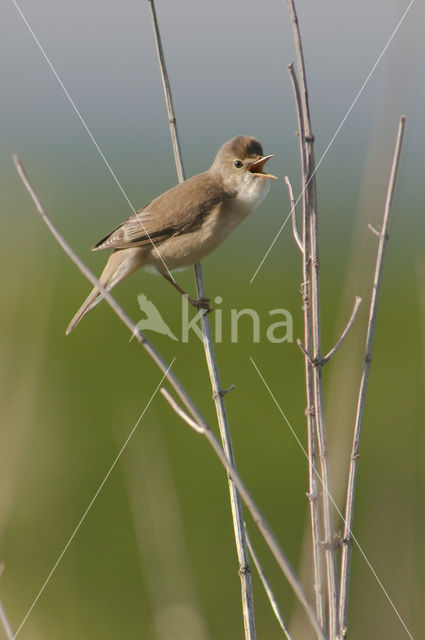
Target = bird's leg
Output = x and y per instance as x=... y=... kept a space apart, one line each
x=202 y=303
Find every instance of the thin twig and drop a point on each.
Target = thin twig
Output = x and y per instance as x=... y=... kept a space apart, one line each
x=268 y=589
x=294 y=215
x=310 y=218
x=199 y=428
x=167 y=93
x=217 y=391
x=308 y=361
x=264 y=528
x=300 y=119
x=354 y=458
x=259 y=520
x=138 y=335
x=344 y=334
x=237 y=512
x=304 y=350
x=374 y=231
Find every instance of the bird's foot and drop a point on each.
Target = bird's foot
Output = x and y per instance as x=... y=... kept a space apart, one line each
x=202 y=303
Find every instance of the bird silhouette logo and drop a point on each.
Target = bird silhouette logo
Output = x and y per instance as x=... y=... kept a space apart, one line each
x=153 y=320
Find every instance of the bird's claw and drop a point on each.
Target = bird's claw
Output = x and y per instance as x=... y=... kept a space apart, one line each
x=202 y=303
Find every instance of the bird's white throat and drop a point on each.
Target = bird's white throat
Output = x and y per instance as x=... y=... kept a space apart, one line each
x=252 y=190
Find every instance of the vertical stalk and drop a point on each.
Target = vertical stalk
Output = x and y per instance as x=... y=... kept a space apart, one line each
x=361 y=400
x=237 y=513
x=236 y=506
x=268 y=591
x=311 y=266
x=167 y=94
x=309 y=382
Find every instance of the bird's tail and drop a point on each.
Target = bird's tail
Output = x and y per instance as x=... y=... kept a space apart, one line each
x=120 y=265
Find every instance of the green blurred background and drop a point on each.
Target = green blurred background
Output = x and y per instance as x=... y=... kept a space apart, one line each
x=155 y=558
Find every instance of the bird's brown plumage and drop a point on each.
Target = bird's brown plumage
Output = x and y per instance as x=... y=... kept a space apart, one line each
x=168 y=215
x=187 y=222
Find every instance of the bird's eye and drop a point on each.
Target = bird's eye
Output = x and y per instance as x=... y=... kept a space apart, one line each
x=238 y=164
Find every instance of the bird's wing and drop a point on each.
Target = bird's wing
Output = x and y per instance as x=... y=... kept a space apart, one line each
x=170 y=214
x=141 y=229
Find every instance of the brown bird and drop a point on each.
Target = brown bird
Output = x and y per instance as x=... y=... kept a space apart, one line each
x=186 y=223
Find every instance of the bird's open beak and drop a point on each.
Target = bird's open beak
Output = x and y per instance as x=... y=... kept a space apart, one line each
x=258 y=165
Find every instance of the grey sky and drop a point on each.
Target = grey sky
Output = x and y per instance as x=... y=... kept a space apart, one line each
x=227 y=63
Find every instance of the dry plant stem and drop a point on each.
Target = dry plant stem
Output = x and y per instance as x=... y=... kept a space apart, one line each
x=272 y=543
x=162 y=365
x=268 y=590
x=341 y=339
x=311 y=260
x=294 y=215
x=237 y=513
x=344 y=334
x=313 y=494
x=197 y=423
x=354 y=458
x=167 y=92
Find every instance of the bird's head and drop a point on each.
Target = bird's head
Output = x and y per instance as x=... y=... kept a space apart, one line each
x=240 y=165
x=241 y=159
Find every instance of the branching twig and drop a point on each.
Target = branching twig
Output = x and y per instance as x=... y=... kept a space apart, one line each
x=184 y=397
x=259 y=520
x=342 y=337
x=301 y=128
x=314 y=411
x=309 y=382
x=237 y=512
x=268 y=589
x=344 y=334
x=199 y=428
x=238 y=522
x=294 y=215
x=374 y=231
x=138 y=335
x=352 y=473
x=311 y=260
x=304 y=350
